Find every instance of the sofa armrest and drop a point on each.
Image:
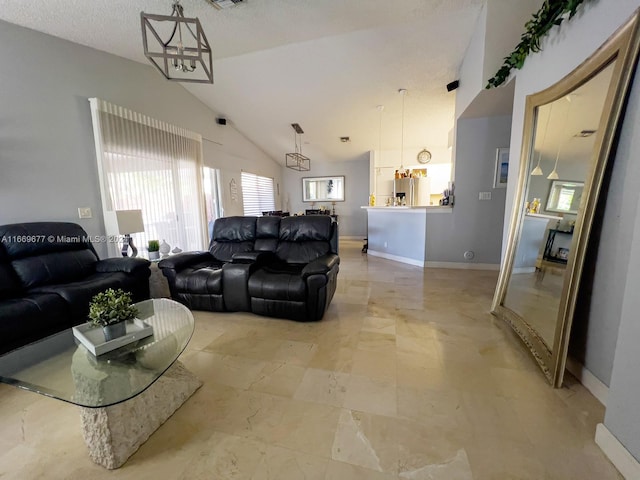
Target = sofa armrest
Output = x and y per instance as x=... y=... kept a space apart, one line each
x=123 y=264
x=183 y=260
x=321 y=265
x=252 y=257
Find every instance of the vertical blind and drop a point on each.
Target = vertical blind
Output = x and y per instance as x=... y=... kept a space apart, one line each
x=152 y=166
x=257 y=194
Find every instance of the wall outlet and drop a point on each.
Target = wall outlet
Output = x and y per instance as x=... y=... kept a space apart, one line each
x=484 y=196
x=84 y=212
x=385 y=244
x=469 y=254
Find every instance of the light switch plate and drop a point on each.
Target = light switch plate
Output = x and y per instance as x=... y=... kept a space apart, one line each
x=84 y=212
x=484 y=196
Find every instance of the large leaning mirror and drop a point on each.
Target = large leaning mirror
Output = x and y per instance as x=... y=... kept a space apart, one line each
x=569 y=130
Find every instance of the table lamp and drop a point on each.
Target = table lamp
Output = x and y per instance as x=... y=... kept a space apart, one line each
x=128 y=222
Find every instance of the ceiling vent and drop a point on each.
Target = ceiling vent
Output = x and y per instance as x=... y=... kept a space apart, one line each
x=220 y=4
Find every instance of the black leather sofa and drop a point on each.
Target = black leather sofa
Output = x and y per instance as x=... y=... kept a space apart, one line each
x=48 y=273
x=284 y=267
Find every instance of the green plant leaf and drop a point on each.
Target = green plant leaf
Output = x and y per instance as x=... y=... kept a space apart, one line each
x=549 y=15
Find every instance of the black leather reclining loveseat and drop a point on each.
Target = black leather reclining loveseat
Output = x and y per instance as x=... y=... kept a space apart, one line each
x=48 y=273
x=280 y=267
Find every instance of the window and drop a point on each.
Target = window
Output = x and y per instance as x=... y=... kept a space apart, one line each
x=257 y=194
x=152 y=166
x=212 y=201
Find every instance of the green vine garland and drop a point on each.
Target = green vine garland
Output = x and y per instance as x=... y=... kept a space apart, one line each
x=552 y=12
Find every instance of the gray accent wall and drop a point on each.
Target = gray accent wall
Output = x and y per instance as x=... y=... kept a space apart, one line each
x=352 y=218
x=474 y=224
x=47 y=155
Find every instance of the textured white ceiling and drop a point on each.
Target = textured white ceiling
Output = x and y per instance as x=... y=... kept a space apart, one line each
x=324 y=64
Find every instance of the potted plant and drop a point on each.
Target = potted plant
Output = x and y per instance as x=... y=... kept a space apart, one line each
x=110 y=310
x=154 y=249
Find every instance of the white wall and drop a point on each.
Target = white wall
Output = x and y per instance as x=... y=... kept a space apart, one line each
x=352 y=219
x=497 y=32
x=616 y=322
x=47 y=154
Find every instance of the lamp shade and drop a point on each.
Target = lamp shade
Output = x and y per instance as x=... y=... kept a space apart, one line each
x=127 y=221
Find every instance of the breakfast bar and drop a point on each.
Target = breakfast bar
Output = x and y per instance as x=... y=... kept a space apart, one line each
x=400 y=233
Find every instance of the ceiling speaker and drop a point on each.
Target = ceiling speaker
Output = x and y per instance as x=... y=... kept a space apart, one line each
x=453 y=85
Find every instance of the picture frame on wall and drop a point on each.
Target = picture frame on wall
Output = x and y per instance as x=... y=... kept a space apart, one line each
x=501 y=173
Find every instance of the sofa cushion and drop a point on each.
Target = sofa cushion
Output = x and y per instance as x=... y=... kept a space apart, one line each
x=278 y=284
x=38 y=238
x=9 y=283
x=54 y=268
x=24 y=320
x=267 y=234
x=232 y=235
x=78 y=294
x=204 y=280
x=43 y=253
x=302 y=241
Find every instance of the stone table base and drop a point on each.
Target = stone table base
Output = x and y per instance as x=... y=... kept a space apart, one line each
x=114 y=433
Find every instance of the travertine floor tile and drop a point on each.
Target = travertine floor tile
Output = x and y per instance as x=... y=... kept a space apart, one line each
x=279 y=379
x=380 y=365
x=407 y=377
x=226 y=456
x=371 y=395
x=283 y=464
x=323 y=386
x=338 y=470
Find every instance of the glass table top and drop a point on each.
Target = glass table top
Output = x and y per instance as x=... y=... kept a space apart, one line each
x=61 y=367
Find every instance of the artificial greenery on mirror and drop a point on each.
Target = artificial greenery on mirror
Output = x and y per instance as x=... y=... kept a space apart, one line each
x=552 y=13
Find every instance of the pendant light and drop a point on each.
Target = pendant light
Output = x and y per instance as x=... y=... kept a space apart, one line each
x=380 y=109
x=403 y=93
x=554 y=173
x=538 y=170
x=185 y=56
x=296 y=160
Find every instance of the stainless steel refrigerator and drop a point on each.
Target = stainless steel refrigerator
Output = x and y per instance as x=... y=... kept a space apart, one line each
x=417 y=190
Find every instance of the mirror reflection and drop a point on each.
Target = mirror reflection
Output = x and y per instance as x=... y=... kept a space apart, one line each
x=563 y=148
x=564 y=196
x=319 y=189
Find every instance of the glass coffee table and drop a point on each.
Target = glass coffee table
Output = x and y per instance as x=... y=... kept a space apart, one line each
x=125 y=394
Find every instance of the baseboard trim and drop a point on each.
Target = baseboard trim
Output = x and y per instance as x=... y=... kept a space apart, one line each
x=396 y=258
x=589 y=380
x=626 y=463
x=463 y=266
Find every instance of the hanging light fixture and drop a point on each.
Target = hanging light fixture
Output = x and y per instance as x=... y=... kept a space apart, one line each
x=554 y=173
x=538 y=170
x=403 y=93
x=186 y=55
x=380 y=109
x=296 y=160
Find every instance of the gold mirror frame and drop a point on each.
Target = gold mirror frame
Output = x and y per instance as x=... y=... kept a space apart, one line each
x=622 y=47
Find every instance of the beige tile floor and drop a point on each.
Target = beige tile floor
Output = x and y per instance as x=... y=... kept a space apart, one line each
x=407 y=377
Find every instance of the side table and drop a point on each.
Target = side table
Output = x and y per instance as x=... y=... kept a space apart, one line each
x=158 y=285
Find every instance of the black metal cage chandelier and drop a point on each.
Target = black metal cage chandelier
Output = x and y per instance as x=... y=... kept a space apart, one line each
x=186 y=55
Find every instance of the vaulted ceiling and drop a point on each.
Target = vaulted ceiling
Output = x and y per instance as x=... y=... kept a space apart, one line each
x=325 y=64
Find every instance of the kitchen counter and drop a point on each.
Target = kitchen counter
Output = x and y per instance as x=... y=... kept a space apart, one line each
x=429 y=208
x=399 y=233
